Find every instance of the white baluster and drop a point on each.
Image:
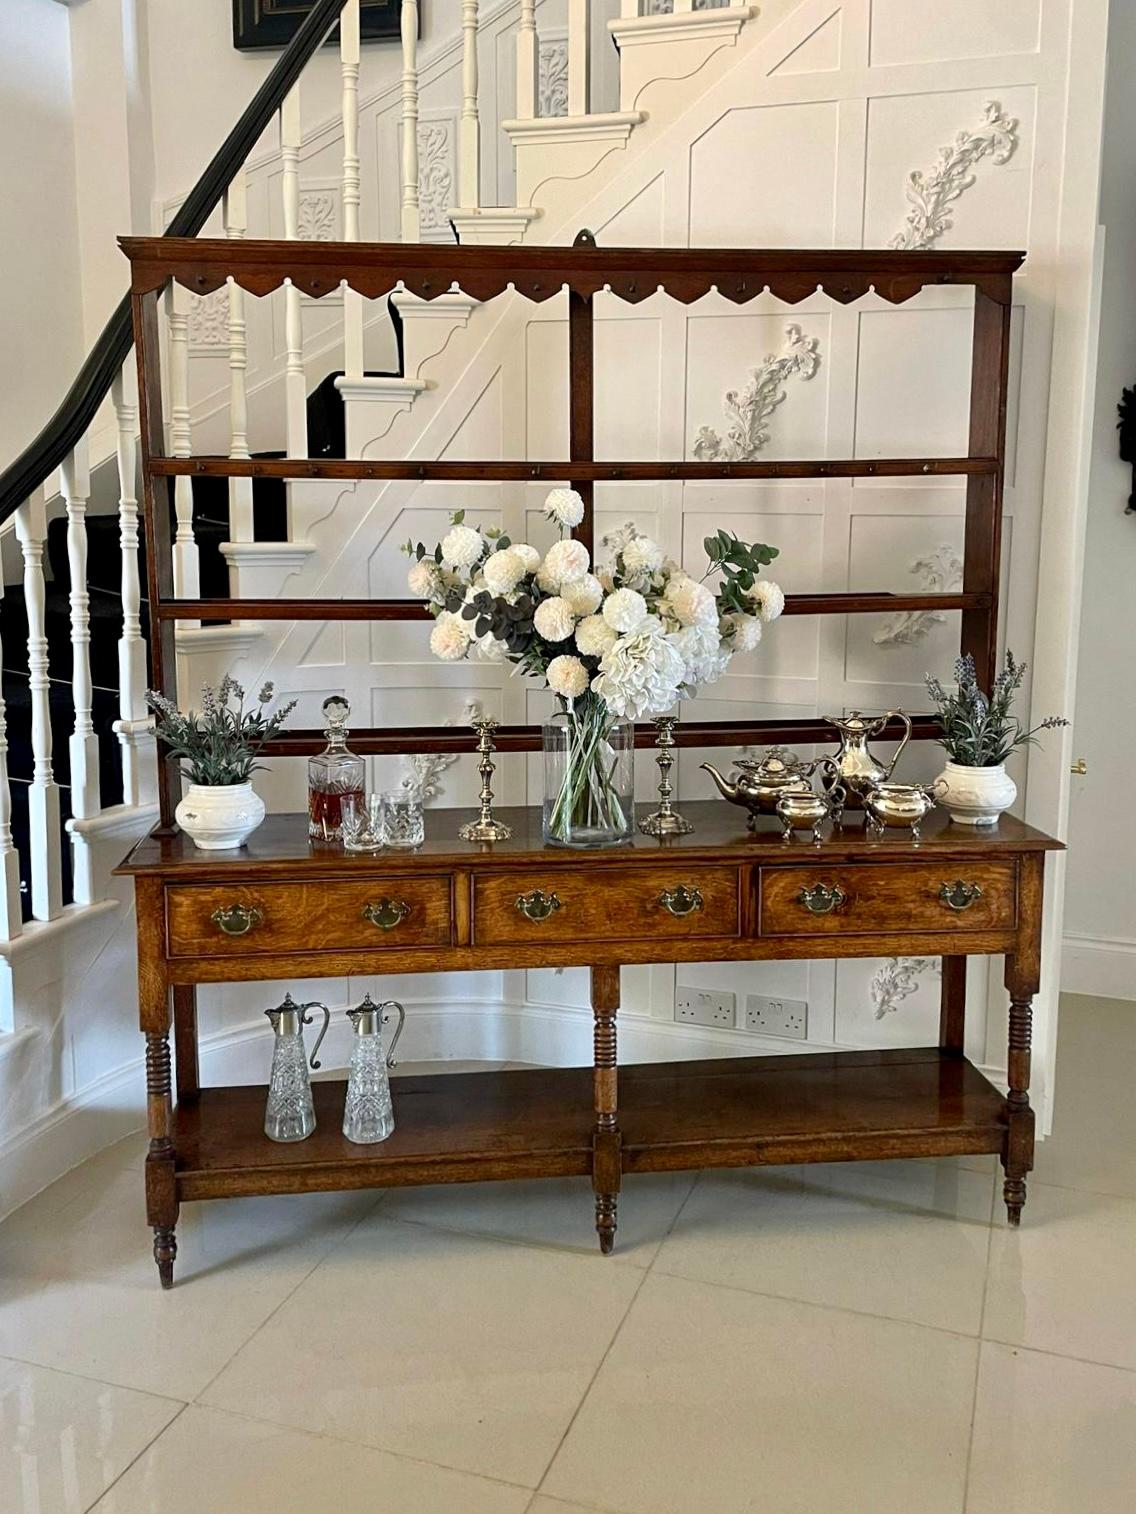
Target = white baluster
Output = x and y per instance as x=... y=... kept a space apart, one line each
x=187 y=574
x=133 y=727
x=295 y=385
x=349 y=69
x=43 y=796
x=11 y=916
x=469 y=134
x=579 y=56
x=240 y=489
x=411 y=220
x=75 y=487
x=528 y=63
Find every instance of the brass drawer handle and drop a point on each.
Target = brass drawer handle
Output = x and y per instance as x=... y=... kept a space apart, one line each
x=959 y=895
x=822 y=900
x=236 y=920
x=681 y=901
x=538 y=905
x=387 y=913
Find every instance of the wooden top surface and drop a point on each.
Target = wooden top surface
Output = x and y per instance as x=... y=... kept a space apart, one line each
x=281 y=845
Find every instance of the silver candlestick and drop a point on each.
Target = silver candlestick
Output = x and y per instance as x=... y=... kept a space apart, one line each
x=485 y=827
x=665 y=821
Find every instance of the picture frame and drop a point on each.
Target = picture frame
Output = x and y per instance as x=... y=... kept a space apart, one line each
x=259 y=24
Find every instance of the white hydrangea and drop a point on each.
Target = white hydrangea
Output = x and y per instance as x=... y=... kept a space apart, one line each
x=503 y=571
x=767 y=599
x=625 y=611
x=566 y=561
x=449 y=639
x=745 y=630
x=567 y=676
x=642 y=557
x=554 y=620
x=584 y=595
x=462 y=546
x=529 y=556
x=565 y=507
x=703 y=656
x=594 y=636
x=690 y=602
x=488 y=649
x=424 y=579
x=641 y=675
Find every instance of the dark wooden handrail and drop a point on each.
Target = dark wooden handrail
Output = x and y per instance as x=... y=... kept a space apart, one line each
x=80 y=405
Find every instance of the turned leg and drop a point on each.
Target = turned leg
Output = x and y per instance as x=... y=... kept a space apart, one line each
x=161 y=1191
x=606 y=1139
x=1017 y=1157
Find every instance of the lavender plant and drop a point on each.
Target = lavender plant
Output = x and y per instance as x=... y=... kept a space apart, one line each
x=218 y=745
x=978 y=729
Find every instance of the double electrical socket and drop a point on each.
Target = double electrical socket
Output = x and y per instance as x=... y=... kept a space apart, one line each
x=763 y=1015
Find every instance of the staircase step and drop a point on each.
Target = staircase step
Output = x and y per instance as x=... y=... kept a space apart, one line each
x=492 y=225
x=582 y=142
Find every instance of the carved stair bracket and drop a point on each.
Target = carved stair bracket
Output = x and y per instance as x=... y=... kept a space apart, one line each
x=931 y=195
x=939 y=572
x=749 y=410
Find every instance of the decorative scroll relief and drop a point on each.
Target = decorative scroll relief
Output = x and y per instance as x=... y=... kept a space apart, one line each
x=423 y=774
x=931 y=195
x=207 y=323
x=749 y=410
x=319 y=216
x=435 y=176
x=940 y=572
x=897 y=980
x=552 y=98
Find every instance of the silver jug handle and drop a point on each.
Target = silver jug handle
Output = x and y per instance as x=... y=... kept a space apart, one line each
x=401 y=1013
x=906 y=718
x=306 y=1019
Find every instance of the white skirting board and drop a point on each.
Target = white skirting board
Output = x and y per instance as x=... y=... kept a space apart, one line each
x=1101 y=966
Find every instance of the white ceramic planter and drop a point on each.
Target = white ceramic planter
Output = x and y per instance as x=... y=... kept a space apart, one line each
x=217 y=818
x=975 y=796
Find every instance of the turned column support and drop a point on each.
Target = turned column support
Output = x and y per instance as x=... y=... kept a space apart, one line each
x=1023 y=974
x=606 y=1138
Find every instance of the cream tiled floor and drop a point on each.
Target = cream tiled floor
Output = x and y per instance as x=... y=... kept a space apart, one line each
x=837 y=1340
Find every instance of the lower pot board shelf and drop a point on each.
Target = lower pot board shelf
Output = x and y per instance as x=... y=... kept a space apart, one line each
x=673 y=1115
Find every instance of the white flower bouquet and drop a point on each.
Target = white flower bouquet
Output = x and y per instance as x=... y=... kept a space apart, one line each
x=623 y=642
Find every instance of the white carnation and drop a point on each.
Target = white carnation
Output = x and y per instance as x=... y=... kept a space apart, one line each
x=641 y=555
x=767 y=599
x=529 y=556
x=554 y=620
x=567 y=676
x=745 y=630
x=625 y=611
x=449 y=639
x=690 y=602
x=565 y=561
x=704 y=658
x=594 y=636
x=424 y=579
x=565 y=507
x=546 y=580
x=584 y=595
x=641 y=675
x=462 y=546
x=503 y=571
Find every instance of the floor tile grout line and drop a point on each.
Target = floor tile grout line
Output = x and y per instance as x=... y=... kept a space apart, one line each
x=677 y=1216
x=978 y=1352
x=559 y=1248
x=281 y=1302
x=99 y=1382
x=134 y=1459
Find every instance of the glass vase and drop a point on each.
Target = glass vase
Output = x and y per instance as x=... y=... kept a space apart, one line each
x=589 y=776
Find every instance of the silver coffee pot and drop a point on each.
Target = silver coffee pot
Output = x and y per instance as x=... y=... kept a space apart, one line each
x=855 y=767
x=368 y=1114
x=290 y=1114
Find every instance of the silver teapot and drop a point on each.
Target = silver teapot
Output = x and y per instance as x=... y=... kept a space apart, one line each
x=760 y=783
x=290 y=1114
x=855 y=767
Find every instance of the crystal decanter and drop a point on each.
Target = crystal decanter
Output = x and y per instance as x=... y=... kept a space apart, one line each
x=334 y=772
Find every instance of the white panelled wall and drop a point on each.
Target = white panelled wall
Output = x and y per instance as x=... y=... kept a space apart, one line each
x=796 y=123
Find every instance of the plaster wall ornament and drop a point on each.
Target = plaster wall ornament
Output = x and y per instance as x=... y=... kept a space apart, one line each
x=749 y=409
x=423 y=774
x=208 y=319
x=939 y=572
x=552 y=97
x=897 y=979
x=319 y=216
x=931 y=195
x=435 y=176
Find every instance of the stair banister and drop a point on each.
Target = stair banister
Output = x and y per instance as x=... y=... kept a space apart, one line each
x=349 y=51
x=185 y=556
x=240 y=489
x=11 y=913
x=528 y=63
x=43 y=795
x=469 y=132
x=295 y=384
x=411 y=216
x=133 y=725
x=75 y=487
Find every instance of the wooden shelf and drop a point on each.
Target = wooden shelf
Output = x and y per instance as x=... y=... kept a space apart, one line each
x=470 y=1127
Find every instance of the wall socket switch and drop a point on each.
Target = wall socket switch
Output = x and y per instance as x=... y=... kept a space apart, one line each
x=777 y=1017
x=705 y=1006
